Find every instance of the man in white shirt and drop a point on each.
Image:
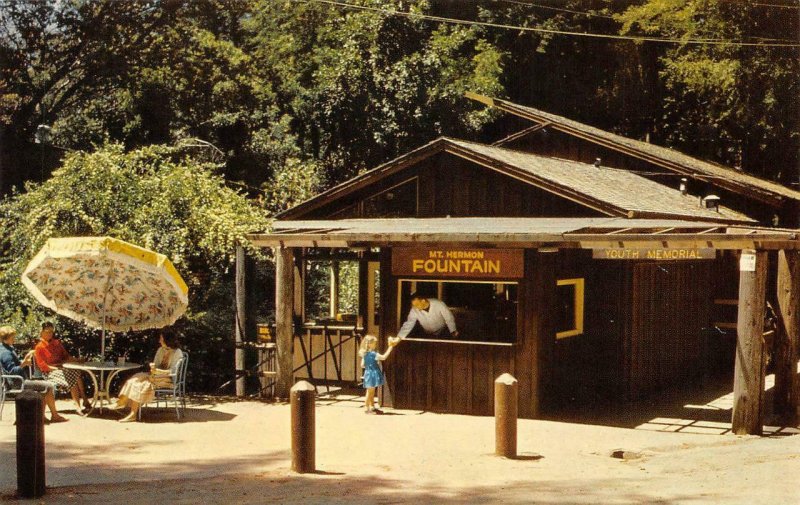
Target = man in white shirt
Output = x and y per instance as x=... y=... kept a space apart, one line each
x=431 y=314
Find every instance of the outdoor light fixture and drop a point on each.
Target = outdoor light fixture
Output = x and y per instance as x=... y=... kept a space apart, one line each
x=684 y=185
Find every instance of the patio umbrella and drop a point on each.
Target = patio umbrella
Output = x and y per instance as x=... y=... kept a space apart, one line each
x=107 y=284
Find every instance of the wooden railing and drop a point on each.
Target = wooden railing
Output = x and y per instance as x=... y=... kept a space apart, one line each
x=328 y=354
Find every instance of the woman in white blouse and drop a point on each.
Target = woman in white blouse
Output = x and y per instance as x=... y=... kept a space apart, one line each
x=140 y=388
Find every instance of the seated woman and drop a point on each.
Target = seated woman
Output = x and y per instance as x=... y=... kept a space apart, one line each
x=140 y=388
x=50 y=354
x=12 y=365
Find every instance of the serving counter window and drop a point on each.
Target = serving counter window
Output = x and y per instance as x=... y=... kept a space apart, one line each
x=483 y=311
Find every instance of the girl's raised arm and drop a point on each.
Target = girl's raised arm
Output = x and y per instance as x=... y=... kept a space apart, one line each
x=387 y=353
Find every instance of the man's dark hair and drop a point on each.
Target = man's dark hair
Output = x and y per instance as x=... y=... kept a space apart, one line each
x=416 y=295
x=48 y=324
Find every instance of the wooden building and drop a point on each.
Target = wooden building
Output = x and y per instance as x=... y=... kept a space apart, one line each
x=581 y=279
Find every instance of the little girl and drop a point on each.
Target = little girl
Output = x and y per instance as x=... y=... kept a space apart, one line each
x=373 y=375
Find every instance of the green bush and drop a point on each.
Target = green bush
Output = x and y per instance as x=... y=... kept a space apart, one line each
x=156 y=197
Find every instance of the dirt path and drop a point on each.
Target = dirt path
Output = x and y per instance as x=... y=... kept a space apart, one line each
x=238 y=452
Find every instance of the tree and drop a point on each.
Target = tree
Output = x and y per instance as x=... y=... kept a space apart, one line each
x=730 y=103
x=362 y=86
x=155 y=197
x=57 y=55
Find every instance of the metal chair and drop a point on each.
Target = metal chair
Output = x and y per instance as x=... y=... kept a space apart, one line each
x=177 y=392
x=36 y=374
x=9 y=384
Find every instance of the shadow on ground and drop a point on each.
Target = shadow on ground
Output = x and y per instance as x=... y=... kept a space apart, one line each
x=704 y=406
x=68 y=462
x=328 y=487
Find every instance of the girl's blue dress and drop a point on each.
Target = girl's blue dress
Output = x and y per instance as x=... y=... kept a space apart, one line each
x=373 y=375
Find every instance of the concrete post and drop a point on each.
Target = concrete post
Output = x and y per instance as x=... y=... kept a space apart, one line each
x=30 y=445
x=302 y=397
x=505 y=416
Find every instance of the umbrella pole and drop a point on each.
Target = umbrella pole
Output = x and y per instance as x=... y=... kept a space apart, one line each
x=103 y=336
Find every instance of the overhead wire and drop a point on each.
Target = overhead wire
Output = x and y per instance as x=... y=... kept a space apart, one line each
x=605 y=16
x=466 y=22
x=784 y=6
x=558 y=9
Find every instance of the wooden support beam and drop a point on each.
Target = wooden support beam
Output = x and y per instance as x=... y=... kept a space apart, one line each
x=748 y=379
x=284 y=315
x=535 y=350
x=787 y=386
x=241 y=314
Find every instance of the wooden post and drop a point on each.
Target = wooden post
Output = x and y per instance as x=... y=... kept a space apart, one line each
x=787 y=396
x=303 y=427
x=535 y=349
x=30 y=445
x=241 y=314
x=284 y=315
x=748 y=379
x=334 y=280
x=505 y=416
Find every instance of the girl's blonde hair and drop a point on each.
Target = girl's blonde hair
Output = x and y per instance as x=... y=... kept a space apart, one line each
x=365 y=344
x=7 y=332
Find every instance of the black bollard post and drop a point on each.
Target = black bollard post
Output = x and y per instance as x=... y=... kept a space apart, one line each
x=302 y=398
x=505 y=416
x=30 y=445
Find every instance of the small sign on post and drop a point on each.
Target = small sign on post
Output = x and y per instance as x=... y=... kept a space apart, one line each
x=747 y=262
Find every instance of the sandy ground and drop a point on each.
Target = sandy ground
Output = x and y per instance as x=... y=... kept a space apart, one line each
x=238 y=452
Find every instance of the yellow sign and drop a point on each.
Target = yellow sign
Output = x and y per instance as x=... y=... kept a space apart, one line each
x=484 y=263
x=612 y=253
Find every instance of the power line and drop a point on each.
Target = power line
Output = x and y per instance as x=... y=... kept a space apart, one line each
x=551 y=31
x=595 y=14
x=559 y=9
x=783 y=6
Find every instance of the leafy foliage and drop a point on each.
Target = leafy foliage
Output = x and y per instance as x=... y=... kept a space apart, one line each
x=154 y=197
x=735 y=104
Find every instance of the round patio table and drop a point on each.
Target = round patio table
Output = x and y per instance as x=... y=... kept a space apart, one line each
x=102 y=389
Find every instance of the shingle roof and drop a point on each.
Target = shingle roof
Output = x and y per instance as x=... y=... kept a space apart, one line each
x=611 y=191
x=663 y=156
x=634 y=194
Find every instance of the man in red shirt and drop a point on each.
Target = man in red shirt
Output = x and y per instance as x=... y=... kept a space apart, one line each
x=50 y=355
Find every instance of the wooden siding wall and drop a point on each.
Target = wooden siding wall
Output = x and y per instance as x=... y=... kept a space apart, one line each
x=459 y=378
x=590 y=366
x=549 y=142
x=646 y=327
x=452 y=186
x=672 y=307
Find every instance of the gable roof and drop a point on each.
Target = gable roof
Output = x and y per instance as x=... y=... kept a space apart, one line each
x=719 y=175
x=612 y=192
x=629 y=194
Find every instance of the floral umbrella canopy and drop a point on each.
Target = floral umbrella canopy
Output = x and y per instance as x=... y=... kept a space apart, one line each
x=106 y=283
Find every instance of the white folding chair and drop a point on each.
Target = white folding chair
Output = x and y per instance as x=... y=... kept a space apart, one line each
x=176 y=393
